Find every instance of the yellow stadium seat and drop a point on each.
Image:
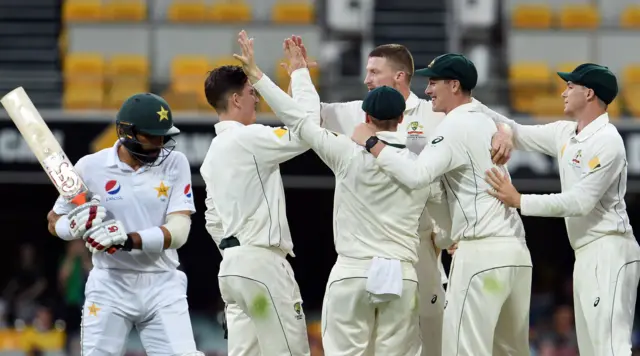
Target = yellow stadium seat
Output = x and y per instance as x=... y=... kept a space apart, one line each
x=181 y=101
x=631 y=74
x=579 y=16
x=224 y=61
x=293 y=12
x=263 y=107
x=83 y=98
x=630 y=17
x=84 y=68
x=230 y=11
x=82 y=10
x=120 y=90
x=187 y=11
x=547 y=106
x=188 y=73
x=125 y=10
x=124 y=65
x=614 y=109
x=526 y=81
x=532 y=16
x=630 y=95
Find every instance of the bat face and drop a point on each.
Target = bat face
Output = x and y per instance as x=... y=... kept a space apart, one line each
x=44 y=145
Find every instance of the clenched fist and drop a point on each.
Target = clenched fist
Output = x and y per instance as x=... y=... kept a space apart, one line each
x=85 y=216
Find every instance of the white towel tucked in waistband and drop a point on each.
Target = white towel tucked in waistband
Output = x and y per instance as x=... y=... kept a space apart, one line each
x=384 y=280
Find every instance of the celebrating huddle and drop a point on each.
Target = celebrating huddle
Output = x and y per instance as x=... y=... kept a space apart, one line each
x=413 y=177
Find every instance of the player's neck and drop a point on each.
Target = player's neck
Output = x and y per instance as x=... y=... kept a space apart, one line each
x=126 y=158
x=405 y=91
x=587 y=116
x=231 y=116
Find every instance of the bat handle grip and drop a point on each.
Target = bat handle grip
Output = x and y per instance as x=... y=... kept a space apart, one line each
x=111 y=250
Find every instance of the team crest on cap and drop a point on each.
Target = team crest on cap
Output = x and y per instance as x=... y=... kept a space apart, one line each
x=187 y=190
x=112 y=187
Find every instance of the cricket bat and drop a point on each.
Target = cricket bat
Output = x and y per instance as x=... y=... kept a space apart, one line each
x=46 y=148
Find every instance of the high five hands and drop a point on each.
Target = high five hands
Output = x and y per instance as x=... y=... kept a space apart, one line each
x=297 y=42
x=247 y=58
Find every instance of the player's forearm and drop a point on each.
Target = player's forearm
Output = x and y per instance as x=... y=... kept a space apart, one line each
x=137 y=241
x=554 y=205
x=172 y=235
x=52 y=219
x=282 y=104
x=410 y=173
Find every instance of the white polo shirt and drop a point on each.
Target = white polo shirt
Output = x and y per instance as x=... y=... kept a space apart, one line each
x=593 y=174
x=139 y=199
x=460 y=152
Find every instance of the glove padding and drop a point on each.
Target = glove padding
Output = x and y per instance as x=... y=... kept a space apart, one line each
x=85 y=216
x=106 y=234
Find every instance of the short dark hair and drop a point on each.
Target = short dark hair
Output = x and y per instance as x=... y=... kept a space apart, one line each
x=398 y=55
x=221 y=82
x=385 y=125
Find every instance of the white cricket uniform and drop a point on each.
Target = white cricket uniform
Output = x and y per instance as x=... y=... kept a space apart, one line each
x=245 y=200
x=137 y=287
x=487 y=301
x=419 y=123
x=375 y=222
x=593 y=175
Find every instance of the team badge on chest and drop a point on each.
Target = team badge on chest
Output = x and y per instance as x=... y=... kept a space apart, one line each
x=163 y=191
x=576 y=161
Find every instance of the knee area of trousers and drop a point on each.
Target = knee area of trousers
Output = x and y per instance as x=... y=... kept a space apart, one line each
x=196 y=353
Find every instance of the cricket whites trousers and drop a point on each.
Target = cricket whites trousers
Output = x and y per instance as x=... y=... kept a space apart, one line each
x=605 y=288
x=488 y=299
x=353 y=325
x=154 y=302
x=264 y=307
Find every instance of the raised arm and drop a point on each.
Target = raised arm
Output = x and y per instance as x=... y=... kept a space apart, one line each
x=604 y=168
x=547 y=139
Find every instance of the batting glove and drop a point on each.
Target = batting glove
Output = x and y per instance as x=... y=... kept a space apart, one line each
x=107 y=234
x=85 y=216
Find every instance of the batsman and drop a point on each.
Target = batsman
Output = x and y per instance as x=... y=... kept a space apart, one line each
x=142 y=203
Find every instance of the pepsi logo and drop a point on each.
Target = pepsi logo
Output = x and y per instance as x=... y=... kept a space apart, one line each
x=112 y=187
x=187 y=190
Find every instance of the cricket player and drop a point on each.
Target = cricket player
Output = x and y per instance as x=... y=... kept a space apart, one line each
x=593 y=172
x=487 y=301
x=247 y=218
x=371 y=296
x=146 y=208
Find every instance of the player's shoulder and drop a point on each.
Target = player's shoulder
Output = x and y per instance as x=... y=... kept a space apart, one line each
x=263 y=131
x=94 y=159
x=342 y=106
x=609 y=137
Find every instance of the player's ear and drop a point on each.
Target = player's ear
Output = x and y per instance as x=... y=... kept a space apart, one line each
x=367 y=118
x=234 y=99
x=591 y=95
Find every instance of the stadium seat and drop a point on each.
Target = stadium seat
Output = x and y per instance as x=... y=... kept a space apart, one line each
x=83 y=98
x=630 y=17
x=532 y=16
x=86 y=69
x=118 y=91
x=188 y=73
x=82 y=10
x=579 y=16
x=547 y=107
x=187 y=11
x=264 y=108
x=224 y=61
x=125 y=10
x=526 y=81
x=631 y=75
x=132 y=66
x=614 y=109
x=293 y=12
x=230 y=11
x=181 y=101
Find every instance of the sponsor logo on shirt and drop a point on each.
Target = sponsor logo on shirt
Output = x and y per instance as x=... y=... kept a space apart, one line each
x=415 y=129
x=112 y=187
x=187 y=191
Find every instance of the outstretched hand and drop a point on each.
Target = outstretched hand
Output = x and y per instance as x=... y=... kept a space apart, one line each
x=296 y=41
x=247 y=58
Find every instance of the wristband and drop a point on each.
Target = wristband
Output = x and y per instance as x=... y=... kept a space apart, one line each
x=62 y=228
x=152 y=240
x=128 y=245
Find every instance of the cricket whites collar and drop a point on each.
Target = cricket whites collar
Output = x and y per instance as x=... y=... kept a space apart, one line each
x=592 y=128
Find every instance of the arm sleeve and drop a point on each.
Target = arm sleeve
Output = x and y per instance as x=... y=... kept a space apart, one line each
x=329 y=147
x=341 y=117
x=603 y=168
x=545 y=139
x=61 y=206
x=181 y=194
x=438 y=208
x=443 y=154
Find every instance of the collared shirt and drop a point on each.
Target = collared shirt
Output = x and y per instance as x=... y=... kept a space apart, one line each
x=460 y=152
x=593 y=175
x=245 y=195
x=139 y=199
x=374 y=215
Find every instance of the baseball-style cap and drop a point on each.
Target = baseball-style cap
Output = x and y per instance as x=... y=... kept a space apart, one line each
x=595 y=77
x=148 y=113
x=384 y=103
x=452 y=66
